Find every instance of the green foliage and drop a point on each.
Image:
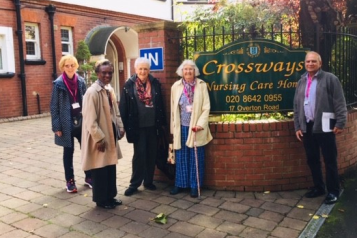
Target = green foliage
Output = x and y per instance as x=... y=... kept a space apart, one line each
x=208 y=29
x=86 y=68
x=83 y=54
x=251 y=117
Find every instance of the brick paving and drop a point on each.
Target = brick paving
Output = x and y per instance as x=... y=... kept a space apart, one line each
x=34 y=203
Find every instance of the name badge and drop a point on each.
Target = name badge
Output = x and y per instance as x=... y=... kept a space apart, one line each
x=306 y=102
x=189 y=108
x=75 y=105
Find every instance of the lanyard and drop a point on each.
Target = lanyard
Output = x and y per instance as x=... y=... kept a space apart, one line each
x=309 y=81
x=186 y=93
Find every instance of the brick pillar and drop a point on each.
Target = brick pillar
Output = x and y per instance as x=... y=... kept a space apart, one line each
x=160 y=34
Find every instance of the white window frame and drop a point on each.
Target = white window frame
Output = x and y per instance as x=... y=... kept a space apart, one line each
x=7 y=50
x=69 y=42
x=37 y=54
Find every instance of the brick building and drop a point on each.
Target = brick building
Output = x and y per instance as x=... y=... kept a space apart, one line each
x=34 y=34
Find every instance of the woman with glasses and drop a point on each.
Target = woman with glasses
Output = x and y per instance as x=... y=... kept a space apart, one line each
x=66 y=108
x=190 y=107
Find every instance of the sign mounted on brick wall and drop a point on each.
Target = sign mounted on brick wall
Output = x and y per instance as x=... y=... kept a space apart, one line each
x=251 y=76
x=156 y=57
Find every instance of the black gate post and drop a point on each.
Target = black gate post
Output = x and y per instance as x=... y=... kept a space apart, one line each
x=317 y=38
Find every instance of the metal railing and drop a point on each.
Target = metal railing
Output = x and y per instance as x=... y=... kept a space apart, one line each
x=338 y=49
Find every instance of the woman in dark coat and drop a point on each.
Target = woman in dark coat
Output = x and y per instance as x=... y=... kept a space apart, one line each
x=142 y=111
x=66 y=104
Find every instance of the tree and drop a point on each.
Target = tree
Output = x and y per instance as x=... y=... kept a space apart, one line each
x=86 y=68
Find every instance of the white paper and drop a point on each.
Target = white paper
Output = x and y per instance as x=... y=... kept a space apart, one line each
x=326 y=116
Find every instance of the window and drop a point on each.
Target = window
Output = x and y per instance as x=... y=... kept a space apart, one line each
x=7 y=58
x=32 y=38
x=66 y=40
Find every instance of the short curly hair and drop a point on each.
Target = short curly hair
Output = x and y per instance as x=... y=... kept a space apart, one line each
x=101 y=62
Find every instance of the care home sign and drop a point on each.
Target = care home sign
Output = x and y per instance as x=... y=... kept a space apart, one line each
x=251 y=76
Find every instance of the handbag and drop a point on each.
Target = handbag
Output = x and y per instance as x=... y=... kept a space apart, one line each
x=162 y=163
x=171 y=155
x=77 y=124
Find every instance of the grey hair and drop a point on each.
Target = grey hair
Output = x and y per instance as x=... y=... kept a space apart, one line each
x=190 y=63
x=315 y=53
x=142 y=60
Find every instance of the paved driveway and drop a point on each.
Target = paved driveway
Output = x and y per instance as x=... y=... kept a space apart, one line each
x=34 y=203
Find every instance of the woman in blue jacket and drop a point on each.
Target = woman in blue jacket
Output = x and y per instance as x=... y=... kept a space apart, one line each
x=66 y=107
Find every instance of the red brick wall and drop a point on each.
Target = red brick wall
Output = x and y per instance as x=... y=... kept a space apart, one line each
x=39 y=77
x=266 y=156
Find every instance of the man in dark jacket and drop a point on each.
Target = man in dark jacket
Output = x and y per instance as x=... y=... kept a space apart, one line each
x=319 y=94
x=142 y=111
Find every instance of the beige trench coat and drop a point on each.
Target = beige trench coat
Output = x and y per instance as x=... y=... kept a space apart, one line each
x=200 y=114
x=97 y=125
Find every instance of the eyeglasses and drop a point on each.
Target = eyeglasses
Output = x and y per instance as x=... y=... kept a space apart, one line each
x=70 y=66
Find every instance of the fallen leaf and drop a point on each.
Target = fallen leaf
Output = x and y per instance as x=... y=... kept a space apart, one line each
x=324 y=216
x=341 y=210
x=86 y=195
x=300 y=206
x=161 y=218
x=316 y=217
x=45 y=205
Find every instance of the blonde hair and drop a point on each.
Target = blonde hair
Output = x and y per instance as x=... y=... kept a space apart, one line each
x=65 y=58
x=190 y=63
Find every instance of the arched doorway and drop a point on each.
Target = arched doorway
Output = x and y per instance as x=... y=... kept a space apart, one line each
x=112 y=55
x=119 y=45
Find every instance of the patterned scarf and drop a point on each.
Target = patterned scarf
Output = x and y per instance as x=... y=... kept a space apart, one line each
x=189 y=89
x=144 y=93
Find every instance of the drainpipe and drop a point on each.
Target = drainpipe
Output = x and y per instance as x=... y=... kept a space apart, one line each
x=21 y=57
x=172 y=10
x=50 y=9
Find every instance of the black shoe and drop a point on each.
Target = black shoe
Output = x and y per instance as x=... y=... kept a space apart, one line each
x=175 y=190
x=106 y=205
x=313 y=193
x=330 y=199
x=151 y=187
x=130 y=191
x=117 y=202
x=194 y=193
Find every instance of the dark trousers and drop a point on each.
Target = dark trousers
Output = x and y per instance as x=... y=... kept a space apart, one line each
x=327 y=142
x=68 y=160
x=145 y=151
x=104 y=184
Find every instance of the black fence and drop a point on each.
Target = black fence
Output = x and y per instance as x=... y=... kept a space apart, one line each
x=338 y=49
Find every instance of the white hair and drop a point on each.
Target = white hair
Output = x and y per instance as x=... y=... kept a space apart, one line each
x=190 y=63
x=142 y=60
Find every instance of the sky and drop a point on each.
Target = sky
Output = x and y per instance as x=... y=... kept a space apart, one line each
x=151 y=8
